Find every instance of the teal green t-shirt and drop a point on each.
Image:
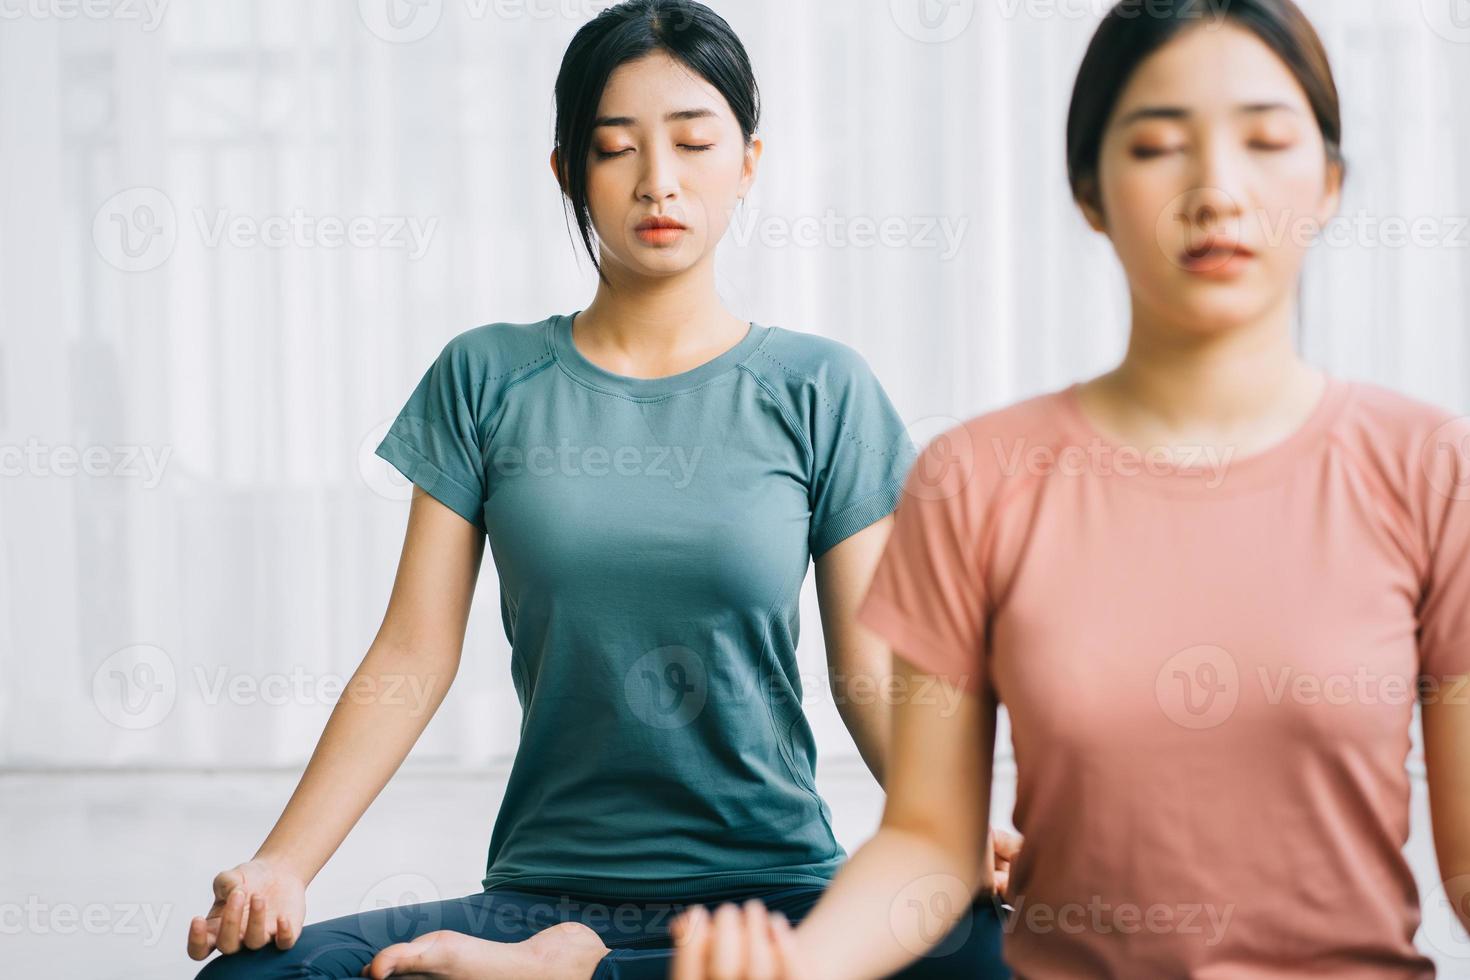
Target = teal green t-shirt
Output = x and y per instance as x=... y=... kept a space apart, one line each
x=651 y=537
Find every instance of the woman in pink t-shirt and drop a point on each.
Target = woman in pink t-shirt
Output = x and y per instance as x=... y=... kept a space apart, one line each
x=1210 y=587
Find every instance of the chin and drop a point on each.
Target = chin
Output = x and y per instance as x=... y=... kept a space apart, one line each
x=662 y=266
x=1210 y=315
x=654 y=263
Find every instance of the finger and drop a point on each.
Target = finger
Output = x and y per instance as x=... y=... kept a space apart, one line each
x=226 y=882
x=760 y=957
x=691 y=938
x=786 y=954
x=258 y=928
x=689 y=924
x=285 y=932
x=1007 y=844
x=201 y=944
x=727 y=955
x=232 y=921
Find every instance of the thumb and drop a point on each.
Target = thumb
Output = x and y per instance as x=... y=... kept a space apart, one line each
x=226 y=882
x=1007 y=844
x=786 y=951
x=691 y=944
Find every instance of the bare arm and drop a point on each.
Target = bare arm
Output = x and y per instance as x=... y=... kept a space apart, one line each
x=902 y=891
x=1446 y=733
x=858 y=662
x=383 y=710
x=862 y=667
x=394 y=692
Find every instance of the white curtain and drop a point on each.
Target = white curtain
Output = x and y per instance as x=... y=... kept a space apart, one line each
x=195 y=539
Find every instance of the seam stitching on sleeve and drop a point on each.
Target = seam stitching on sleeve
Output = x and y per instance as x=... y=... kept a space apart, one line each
x=1393 y=511
x=826 y=401
x=803 y=441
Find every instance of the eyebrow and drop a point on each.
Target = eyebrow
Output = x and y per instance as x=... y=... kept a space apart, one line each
x=1179 y=112
x=676 y=116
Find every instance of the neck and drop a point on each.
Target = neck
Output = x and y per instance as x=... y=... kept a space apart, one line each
x=1180 y=378
x=645 y=317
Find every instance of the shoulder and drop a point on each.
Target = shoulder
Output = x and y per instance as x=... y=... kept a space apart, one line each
x=791 y=357
x=1373 y=411
x=1035 y=419
x=830 y=396
x=828 y=391
x=996 y=444
x=481 y=364
x=973 y=468
x=1418 y=451
x=501 y=351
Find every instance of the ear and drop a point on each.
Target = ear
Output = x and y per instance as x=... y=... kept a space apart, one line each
x=556 y=167
x=752 y=163
x=1087 y=200
x=1332 y=193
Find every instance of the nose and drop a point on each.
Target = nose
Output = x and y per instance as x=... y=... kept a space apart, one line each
x=1216 y=194
x=659 y=180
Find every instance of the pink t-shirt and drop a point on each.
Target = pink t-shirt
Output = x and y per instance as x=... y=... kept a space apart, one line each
x=1210 y=669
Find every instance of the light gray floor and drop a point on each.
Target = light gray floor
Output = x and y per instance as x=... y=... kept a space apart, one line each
x=100 y=873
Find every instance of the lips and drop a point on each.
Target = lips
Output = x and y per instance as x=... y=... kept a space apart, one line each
x=1215 y=250
x=659 y=223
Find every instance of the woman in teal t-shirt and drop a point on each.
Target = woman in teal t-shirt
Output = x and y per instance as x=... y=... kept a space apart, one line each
x=654 y=476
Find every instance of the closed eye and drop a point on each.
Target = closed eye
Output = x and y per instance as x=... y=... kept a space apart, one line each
x=611 y=154
x=1149 y=152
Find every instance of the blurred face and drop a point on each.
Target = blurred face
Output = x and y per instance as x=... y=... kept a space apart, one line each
x=1213 y=180
x=668 y=166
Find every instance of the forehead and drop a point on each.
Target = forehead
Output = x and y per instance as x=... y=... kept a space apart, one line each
x=657 y=83
x=1212 y=67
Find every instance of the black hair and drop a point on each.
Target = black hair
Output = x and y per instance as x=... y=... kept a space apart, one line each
x=1135 y=29
x=685 y=29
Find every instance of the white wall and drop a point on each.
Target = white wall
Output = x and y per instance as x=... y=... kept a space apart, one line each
x=259 y=377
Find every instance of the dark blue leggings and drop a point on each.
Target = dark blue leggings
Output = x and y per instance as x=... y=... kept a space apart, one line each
x=636 y=932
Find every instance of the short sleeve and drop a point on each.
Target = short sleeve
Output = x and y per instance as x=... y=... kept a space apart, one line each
x=435 y=440
x=1444 y=610
x=862 y=452
x=927 y=597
